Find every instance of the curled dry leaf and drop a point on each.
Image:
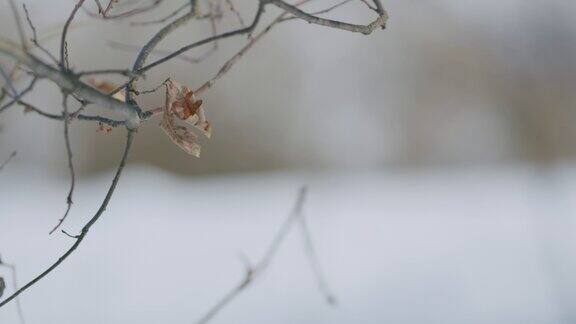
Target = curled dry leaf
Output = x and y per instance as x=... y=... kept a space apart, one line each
x=181 y=104
x=106 y=87
x=2 y=286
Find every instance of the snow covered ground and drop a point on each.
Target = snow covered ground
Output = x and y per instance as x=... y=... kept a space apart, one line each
x=493 y=245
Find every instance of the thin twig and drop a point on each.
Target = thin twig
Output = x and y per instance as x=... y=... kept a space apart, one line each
x=253 y=40
x=369 y=5
x=232 y=8
x=19 y=27
x=103 y=14
x=124 y=72
x=151 y=44
x=364 y=29
x=86 y=227
x=157 y=52
x=12 y=155
x=14 y=272
x=20 y=95
x=315 y=265
x=253 y=272
x=63 y=52
x=66 y=116
x=186 y=48
x=12 y=76
x=235 y=58
x=162 y=20
x=110 y=122
x=323 y=11
x=8 y=82
x=35 y=36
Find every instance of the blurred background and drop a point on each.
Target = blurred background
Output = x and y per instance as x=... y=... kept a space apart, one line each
x=439 y=155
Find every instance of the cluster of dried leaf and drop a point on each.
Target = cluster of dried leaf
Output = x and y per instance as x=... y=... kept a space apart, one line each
x=182 y=113
x=181 y=105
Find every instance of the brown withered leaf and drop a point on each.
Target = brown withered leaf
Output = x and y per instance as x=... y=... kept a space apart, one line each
x=106 y=87
x=181 y=104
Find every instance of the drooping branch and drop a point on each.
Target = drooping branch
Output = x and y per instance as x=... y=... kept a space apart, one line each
x=84 y=232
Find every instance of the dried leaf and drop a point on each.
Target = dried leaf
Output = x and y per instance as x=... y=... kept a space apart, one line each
x=180 y=103
x=2 y=286
x=103 y=128
x=106 y=87
x=27 y=109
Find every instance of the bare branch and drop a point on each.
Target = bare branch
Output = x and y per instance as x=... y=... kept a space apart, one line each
x=228 y=64
x=163 y=20
x=253 y=272
x=35 y=36
x=152 y=43
x=86 y=227
x=67 y=120
x=104 y=14
x=63 y=52
x=253 y=40
x=19 y=27
x=70 y=83
x=20 y=95
x=370 y=6
x=184 y=49
x=12 y=76
x=124 y=72
x=158 y=52
x=364 y=29
x=315 y=263
x=14 y=273
x=110 y=122
x=232 y=8
x=323 y=11
x=8 y=82
x=12 y=155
